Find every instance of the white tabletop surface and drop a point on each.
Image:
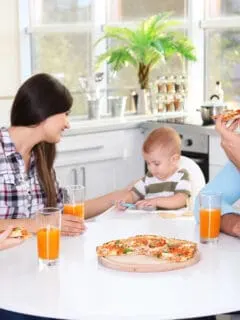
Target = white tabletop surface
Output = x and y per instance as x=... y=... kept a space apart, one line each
x=80 y=288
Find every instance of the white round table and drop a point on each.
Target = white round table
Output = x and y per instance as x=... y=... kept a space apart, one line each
x=80 y=288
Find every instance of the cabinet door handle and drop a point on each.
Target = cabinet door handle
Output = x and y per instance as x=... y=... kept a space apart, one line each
x=83 y=176
x=98 y=147
x=75 y=177
x=91 y=148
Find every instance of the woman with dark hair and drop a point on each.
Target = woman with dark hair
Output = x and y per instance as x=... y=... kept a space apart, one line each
x=39 y=115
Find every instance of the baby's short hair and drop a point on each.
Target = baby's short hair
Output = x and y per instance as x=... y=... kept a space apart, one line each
x=165 y=138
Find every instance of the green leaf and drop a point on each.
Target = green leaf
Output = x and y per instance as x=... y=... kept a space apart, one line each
x=117 y=58
x=127 y=250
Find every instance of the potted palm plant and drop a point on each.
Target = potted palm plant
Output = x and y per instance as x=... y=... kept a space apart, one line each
x=151 y=43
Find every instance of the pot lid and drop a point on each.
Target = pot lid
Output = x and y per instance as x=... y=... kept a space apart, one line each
x=218 y=104
x=213 y=102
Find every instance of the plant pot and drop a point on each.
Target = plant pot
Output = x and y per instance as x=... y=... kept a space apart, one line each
x=144 y=101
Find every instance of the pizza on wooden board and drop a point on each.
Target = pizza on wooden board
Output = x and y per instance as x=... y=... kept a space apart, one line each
x=19 y=232
x=147 y=253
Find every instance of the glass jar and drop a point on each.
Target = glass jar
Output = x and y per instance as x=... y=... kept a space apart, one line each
x=169 y=105
x=160 y=103
x=183 y=85
x=162 y=85
x=177 y=102
x=170 y=85
x=177 y=83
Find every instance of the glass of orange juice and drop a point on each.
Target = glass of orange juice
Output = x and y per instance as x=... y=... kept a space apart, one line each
x=210 y=216
x=48 y=235
x=74 y=198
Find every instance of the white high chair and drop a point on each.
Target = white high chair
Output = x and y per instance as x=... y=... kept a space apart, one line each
x=196 y=177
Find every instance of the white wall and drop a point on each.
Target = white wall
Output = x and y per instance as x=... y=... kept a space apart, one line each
x=9 y=57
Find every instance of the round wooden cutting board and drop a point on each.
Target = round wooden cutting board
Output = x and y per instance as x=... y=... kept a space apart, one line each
x=144 y=263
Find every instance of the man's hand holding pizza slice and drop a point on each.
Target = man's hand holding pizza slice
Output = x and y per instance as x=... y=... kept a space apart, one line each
x=230 y=139
x=230 y=117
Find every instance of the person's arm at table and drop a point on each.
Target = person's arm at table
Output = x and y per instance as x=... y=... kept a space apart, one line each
x=71 y=225
x=230 y=224
x=29 y=224
x=130 y=194
x=94 y=207
x=228 y=183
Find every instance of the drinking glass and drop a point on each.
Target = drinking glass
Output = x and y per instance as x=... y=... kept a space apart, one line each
x=73 y=200
x=210 y=216
x=48 y=235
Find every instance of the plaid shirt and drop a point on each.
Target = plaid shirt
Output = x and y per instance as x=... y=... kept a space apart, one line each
x=21 y=194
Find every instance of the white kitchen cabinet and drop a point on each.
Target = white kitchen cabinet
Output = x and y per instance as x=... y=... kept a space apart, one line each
x=102 y=162
x=217 y=156
x=98 y=177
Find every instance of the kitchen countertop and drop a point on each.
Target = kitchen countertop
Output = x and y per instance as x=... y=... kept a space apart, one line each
x=188 y=128
x=138 y=121
x=109 y=124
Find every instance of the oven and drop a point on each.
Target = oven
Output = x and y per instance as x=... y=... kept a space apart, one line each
x=194 y=145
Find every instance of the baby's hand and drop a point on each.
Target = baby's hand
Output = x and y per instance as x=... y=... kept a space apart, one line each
x=121 y=205
x=118 y=204
x=151 y=203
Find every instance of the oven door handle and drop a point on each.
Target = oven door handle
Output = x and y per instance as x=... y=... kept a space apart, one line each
x=198 y=160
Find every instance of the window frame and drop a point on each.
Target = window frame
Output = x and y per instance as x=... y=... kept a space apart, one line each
x=217 y=24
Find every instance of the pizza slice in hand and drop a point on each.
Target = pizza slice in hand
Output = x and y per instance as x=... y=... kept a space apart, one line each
x=230 y=115
x=19 y=232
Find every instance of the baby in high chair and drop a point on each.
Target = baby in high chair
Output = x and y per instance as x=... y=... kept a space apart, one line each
x=166 y=186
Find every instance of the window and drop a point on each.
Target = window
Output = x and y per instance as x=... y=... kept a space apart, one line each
x=221 y=8
x=66 y=56
x=62 y=34
x=130 y=10
x=222 y=39
x=223 y=63
x=61 y=43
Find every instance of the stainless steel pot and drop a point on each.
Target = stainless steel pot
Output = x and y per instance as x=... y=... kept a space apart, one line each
x=211 y=109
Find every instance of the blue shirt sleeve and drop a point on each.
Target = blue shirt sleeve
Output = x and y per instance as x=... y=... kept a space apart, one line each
x=227 y=182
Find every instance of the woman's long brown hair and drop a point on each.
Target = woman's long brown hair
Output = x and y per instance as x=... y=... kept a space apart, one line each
x=44 y=156
x=40 y=97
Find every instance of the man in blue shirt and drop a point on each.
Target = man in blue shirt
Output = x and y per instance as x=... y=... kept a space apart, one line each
x=228 y=180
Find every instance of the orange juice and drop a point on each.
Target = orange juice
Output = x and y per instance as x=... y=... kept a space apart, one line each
x=74 y=209
x=210 y=223
x=48 y=241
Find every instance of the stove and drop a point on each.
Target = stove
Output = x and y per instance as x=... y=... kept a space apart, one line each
x=195 y=120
